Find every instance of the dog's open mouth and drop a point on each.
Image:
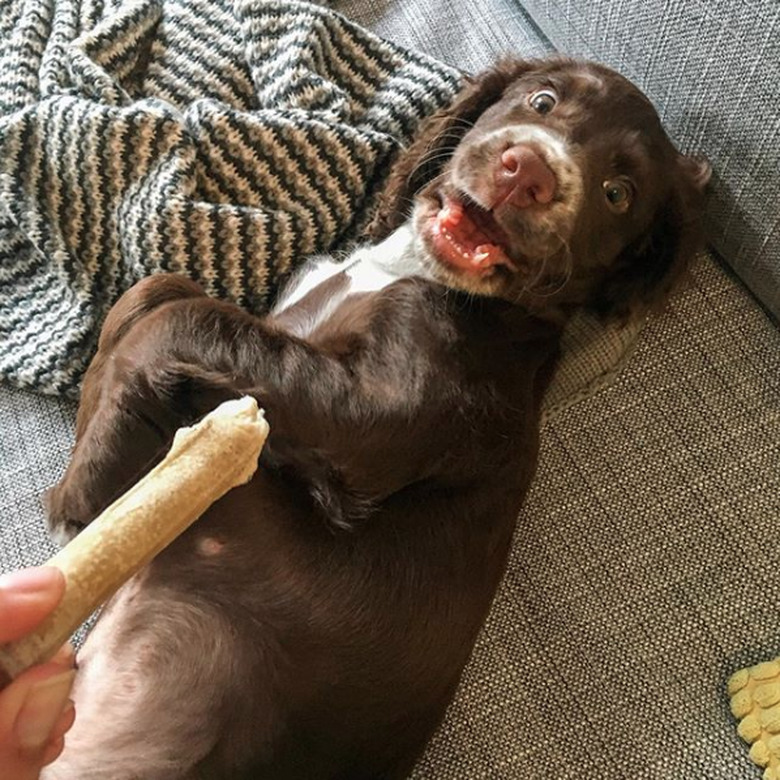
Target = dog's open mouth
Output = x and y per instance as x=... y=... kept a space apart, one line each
x=469 y=238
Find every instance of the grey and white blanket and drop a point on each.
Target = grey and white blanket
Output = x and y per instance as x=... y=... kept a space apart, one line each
x=223 y=139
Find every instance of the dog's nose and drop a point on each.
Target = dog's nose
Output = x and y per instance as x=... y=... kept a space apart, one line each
x=523 y=178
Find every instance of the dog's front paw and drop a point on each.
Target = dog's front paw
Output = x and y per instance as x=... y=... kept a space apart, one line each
x=65 y=517
x=62 y=531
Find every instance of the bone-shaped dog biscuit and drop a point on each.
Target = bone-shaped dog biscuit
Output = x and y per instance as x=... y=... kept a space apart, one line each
x=205 y=461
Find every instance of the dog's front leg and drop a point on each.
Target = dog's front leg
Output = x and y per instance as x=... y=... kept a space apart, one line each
x=123 y=425
x=331 y=417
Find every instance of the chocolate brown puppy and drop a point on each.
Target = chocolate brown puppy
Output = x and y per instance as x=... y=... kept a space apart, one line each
x=315 y=622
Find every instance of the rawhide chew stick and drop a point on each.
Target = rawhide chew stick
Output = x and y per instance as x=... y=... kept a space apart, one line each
x=205 y=461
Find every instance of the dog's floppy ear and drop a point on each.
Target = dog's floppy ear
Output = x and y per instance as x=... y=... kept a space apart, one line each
x=436 y=140
x=646 y=271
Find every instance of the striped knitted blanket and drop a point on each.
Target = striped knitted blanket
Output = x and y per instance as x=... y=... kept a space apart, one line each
x=223 y=139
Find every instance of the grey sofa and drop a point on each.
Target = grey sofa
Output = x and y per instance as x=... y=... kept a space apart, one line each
x=646 y=565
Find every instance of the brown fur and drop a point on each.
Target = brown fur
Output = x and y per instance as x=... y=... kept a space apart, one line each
x=315 y=623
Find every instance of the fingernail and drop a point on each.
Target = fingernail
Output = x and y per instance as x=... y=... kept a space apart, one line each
x=29 y=581
x=64 y=722
x=42 y=709
x=65 y=656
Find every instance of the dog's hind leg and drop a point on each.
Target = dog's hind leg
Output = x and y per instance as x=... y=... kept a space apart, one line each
x=154 y=687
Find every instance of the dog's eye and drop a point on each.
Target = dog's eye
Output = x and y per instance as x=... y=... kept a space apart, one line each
x=543 y=101
x=618 y=193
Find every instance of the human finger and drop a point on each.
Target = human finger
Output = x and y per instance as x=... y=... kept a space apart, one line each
x=27 y=596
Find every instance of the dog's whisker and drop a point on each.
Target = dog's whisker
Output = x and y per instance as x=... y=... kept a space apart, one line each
x=428 y=159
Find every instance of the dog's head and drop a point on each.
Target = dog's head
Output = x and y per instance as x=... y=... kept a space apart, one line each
x=552 y=184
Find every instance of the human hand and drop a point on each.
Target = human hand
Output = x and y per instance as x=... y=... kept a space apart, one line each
x=35 y=711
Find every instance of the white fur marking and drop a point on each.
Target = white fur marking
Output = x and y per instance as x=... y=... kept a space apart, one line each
x=368 y=269
x=551 y=142
x=60 y=535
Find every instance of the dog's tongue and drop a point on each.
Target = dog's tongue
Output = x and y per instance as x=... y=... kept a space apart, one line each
x=468 y=238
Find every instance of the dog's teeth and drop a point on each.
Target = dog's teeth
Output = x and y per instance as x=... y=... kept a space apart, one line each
x=482 y=253
x=459 y=248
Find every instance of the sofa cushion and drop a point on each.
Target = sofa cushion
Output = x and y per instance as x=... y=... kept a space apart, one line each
x=712 y=70
x=467 y=35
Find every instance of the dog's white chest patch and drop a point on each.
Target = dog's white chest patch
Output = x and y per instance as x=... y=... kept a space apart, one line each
x=361 y=272
x=324 y=284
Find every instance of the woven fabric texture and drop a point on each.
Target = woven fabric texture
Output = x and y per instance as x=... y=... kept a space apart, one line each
x=645 y=567
x=469 y=36
x=712 y=68
x=36 y=434
x=592 y=355
x=224 y=140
